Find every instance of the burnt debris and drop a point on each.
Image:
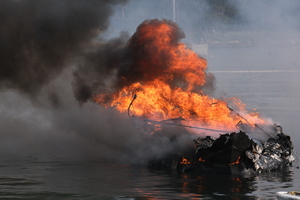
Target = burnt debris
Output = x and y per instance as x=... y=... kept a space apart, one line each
x=231 y=153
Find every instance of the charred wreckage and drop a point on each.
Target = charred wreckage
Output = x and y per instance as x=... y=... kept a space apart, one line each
x=241 y=152
x=232 y=153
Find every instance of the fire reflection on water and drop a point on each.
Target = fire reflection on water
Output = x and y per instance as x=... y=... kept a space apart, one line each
x=210 y=186
x=235 y=187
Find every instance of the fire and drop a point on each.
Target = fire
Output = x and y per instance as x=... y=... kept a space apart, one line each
x=170 y=82
x=185 y=161
x=236 y=162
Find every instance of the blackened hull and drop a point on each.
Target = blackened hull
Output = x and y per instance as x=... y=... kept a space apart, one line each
x=231 y=153
x=228 y=149
x=173 y=163
x=217 y=168
x=225 y=155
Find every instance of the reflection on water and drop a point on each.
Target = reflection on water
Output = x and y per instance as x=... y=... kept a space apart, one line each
x=218 y=186
x=97 y=180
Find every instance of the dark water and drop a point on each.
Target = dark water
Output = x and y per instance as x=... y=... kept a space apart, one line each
x=273 y=91
x=98 y=180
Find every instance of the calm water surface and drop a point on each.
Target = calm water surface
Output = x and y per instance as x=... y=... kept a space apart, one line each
x=98 y=180
x=275 y=93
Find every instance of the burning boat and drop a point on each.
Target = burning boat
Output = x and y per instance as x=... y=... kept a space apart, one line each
x=164 y=83
x=231 y=153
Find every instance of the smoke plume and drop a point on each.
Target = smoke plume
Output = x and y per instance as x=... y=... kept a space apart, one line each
x=40 y=38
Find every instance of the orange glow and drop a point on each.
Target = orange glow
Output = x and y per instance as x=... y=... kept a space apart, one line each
x=185 y=161
x=173 y=90
x=201 y=160
x=236 y=162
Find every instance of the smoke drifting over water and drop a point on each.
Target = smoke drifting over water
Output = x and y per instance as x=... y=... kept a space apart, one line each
x=41 y=41
x=53 y=55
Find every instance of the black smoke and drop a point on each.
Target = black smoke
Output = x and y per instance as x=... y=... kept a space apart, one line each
x=96 y=70
x=41 y=38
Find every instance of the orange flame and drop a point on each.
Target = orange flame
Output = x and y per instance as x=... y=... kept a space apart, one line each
x=185 y=161
x=236 y=162
x=173 y=77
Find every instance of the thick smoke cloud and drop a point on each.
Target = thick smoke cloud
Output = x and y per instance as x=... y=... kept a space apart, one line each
x=96 y=71
x=40 y=38
x=36 y=133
